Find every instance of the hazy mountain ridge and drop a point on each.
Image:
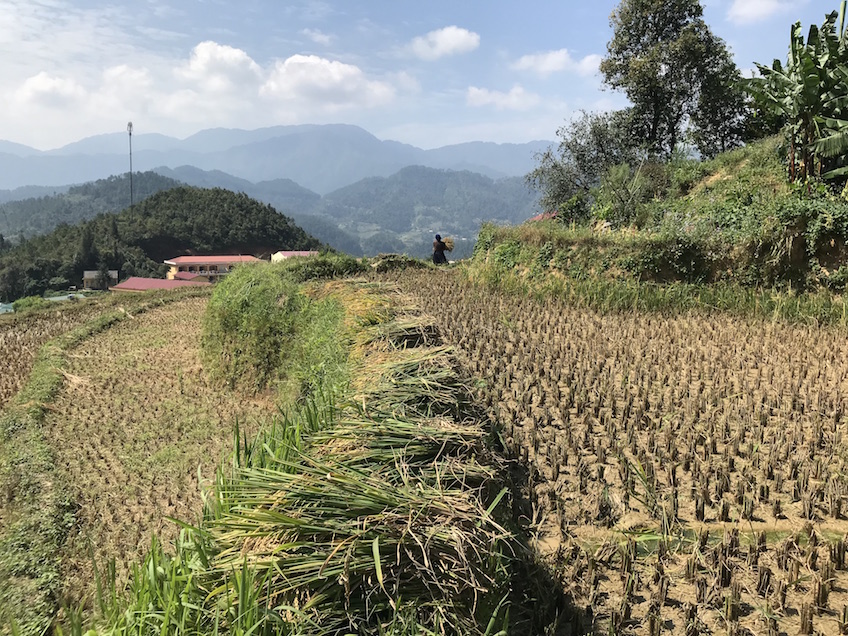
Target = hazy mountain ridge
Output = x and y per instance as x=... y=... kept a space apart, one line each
x=380 y=214
x=321 y=158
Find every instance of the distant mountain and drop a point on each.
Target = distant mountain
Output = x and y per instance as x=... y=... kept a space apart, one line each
x=407 y=208
x=31 y=192
x=181 y=220
x=321 y=158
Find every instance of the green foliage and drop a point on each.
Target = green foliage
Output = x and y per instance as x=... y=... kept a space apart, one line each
x=325 y=265
x=250 y=324
x=809 y=93
x=588 y=146
x=673 y=70
x=623 y=191
x=507 y=254
x=29 y=303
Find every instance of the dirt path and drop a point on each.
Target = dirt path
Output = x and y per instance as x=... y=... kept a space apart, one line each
x=135 y=422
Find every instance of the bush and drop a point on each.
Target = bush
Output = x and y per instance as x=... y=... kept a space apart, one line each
x=29 y=303
x=323 y=266
x=249 y=322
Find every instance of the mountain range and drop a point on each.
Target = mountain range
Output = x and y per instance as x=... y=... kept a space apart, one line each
x=321 y=158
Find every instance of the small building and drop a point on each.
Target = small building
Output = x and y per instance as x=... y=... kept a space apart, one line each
x=283 y=255
x=92 y=279
x=211 y=268
x=139 y=284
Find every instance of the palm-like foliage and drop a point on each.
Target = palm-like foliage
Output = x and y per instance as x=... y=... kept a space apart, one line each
x=811 y=91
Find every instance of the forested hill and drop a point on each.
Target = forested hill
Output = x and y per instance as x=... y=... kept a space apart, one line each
x=400 y=213
x=182 y=220
x=77 y=203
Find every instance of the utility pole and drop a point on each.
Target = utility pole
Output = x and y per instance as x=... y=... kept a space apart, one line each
x=129 y=130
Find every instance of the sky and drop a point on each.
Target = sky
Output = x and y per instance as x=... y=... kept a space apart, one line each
x=429 y=73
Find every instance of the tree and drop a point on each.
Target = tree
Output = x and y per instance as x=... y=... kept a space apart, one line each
x=667 y=61
x=589 y=146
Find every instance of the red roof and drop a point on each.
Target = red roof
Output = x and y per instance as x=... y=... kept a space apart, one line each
x=544 y=216
x=137 y=283
x=211 y=260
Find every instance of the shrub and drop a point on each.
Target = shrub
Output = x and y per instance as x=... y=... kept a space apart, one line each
x=29 y=303
x=249 y=323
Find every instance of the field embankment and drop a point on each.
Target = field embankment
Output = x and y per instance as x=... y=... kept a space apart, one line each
x=689 y=468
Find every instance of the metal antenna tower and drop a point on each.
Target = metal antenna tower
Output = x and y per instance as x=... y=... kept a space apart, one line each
x=129 y=130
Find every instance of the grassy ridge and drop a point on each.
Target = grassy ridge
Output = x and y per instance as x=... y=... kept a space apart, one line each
x=588 y=268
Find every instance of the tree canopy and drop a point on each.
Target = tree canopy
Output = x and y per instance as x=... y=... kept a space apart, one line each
x=676 y=73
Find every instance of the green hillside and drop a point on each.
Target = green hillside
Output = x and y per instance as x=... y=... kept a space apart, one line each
x=41 y=214
x=170 y=223
x=401 y=212
x=732 y=220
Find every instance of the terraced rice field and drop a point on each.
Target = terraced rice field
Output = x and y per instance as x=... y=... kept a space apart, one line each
x=22 y=336
x=135 y=425
x=689 y=471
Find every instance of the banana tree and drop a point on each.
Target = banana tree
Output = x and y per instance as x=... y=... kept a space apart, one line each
x=811 y=92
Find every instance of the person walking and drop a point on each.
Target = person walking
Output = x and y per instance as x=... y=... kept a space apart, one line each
x=439 y=248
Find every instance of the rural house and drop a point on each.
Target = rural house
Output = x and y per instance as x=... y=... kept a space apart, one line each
x=208 y=268
x=92 y=279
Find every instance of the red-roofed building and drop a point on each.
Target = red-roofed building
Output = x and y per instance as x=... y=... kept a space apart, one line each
x=190 y=276
x=544 y=216
x=138 y=284
x=210 y=267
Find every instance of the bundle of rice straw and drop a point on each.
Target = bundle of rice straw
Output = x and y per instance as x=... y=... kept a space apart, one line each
x=448 y=243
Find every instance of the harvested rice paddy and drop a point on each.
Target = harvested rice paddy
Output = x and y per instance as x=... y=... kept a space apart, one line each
x=689 y=470
x=136 y=425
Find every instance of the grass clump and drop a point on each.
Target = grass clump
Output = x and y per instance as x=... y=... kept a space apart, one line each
x=249 y=324
x=29 y=303
x=261 y=330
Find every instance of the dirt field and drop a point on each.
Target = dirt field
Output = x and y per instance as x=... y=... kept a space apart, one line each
x=690 y=471
x=136 y=419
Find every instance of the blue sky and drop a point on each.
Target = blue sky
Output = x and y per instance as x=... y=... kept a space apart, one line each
x=427 y=73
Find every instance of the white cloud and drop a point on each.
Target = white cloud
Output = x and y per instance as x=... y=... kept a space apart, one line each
x=219 y=68
x=451 y=40
x=324 y=84
x=317 y=36
x=516 y=99
x=746 y=11
x=47 y=90
x=555 y=61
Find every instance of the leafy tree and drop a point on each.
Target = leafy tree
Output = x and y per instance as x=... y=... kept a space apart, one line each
x=675 y=72
x=588 y=147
